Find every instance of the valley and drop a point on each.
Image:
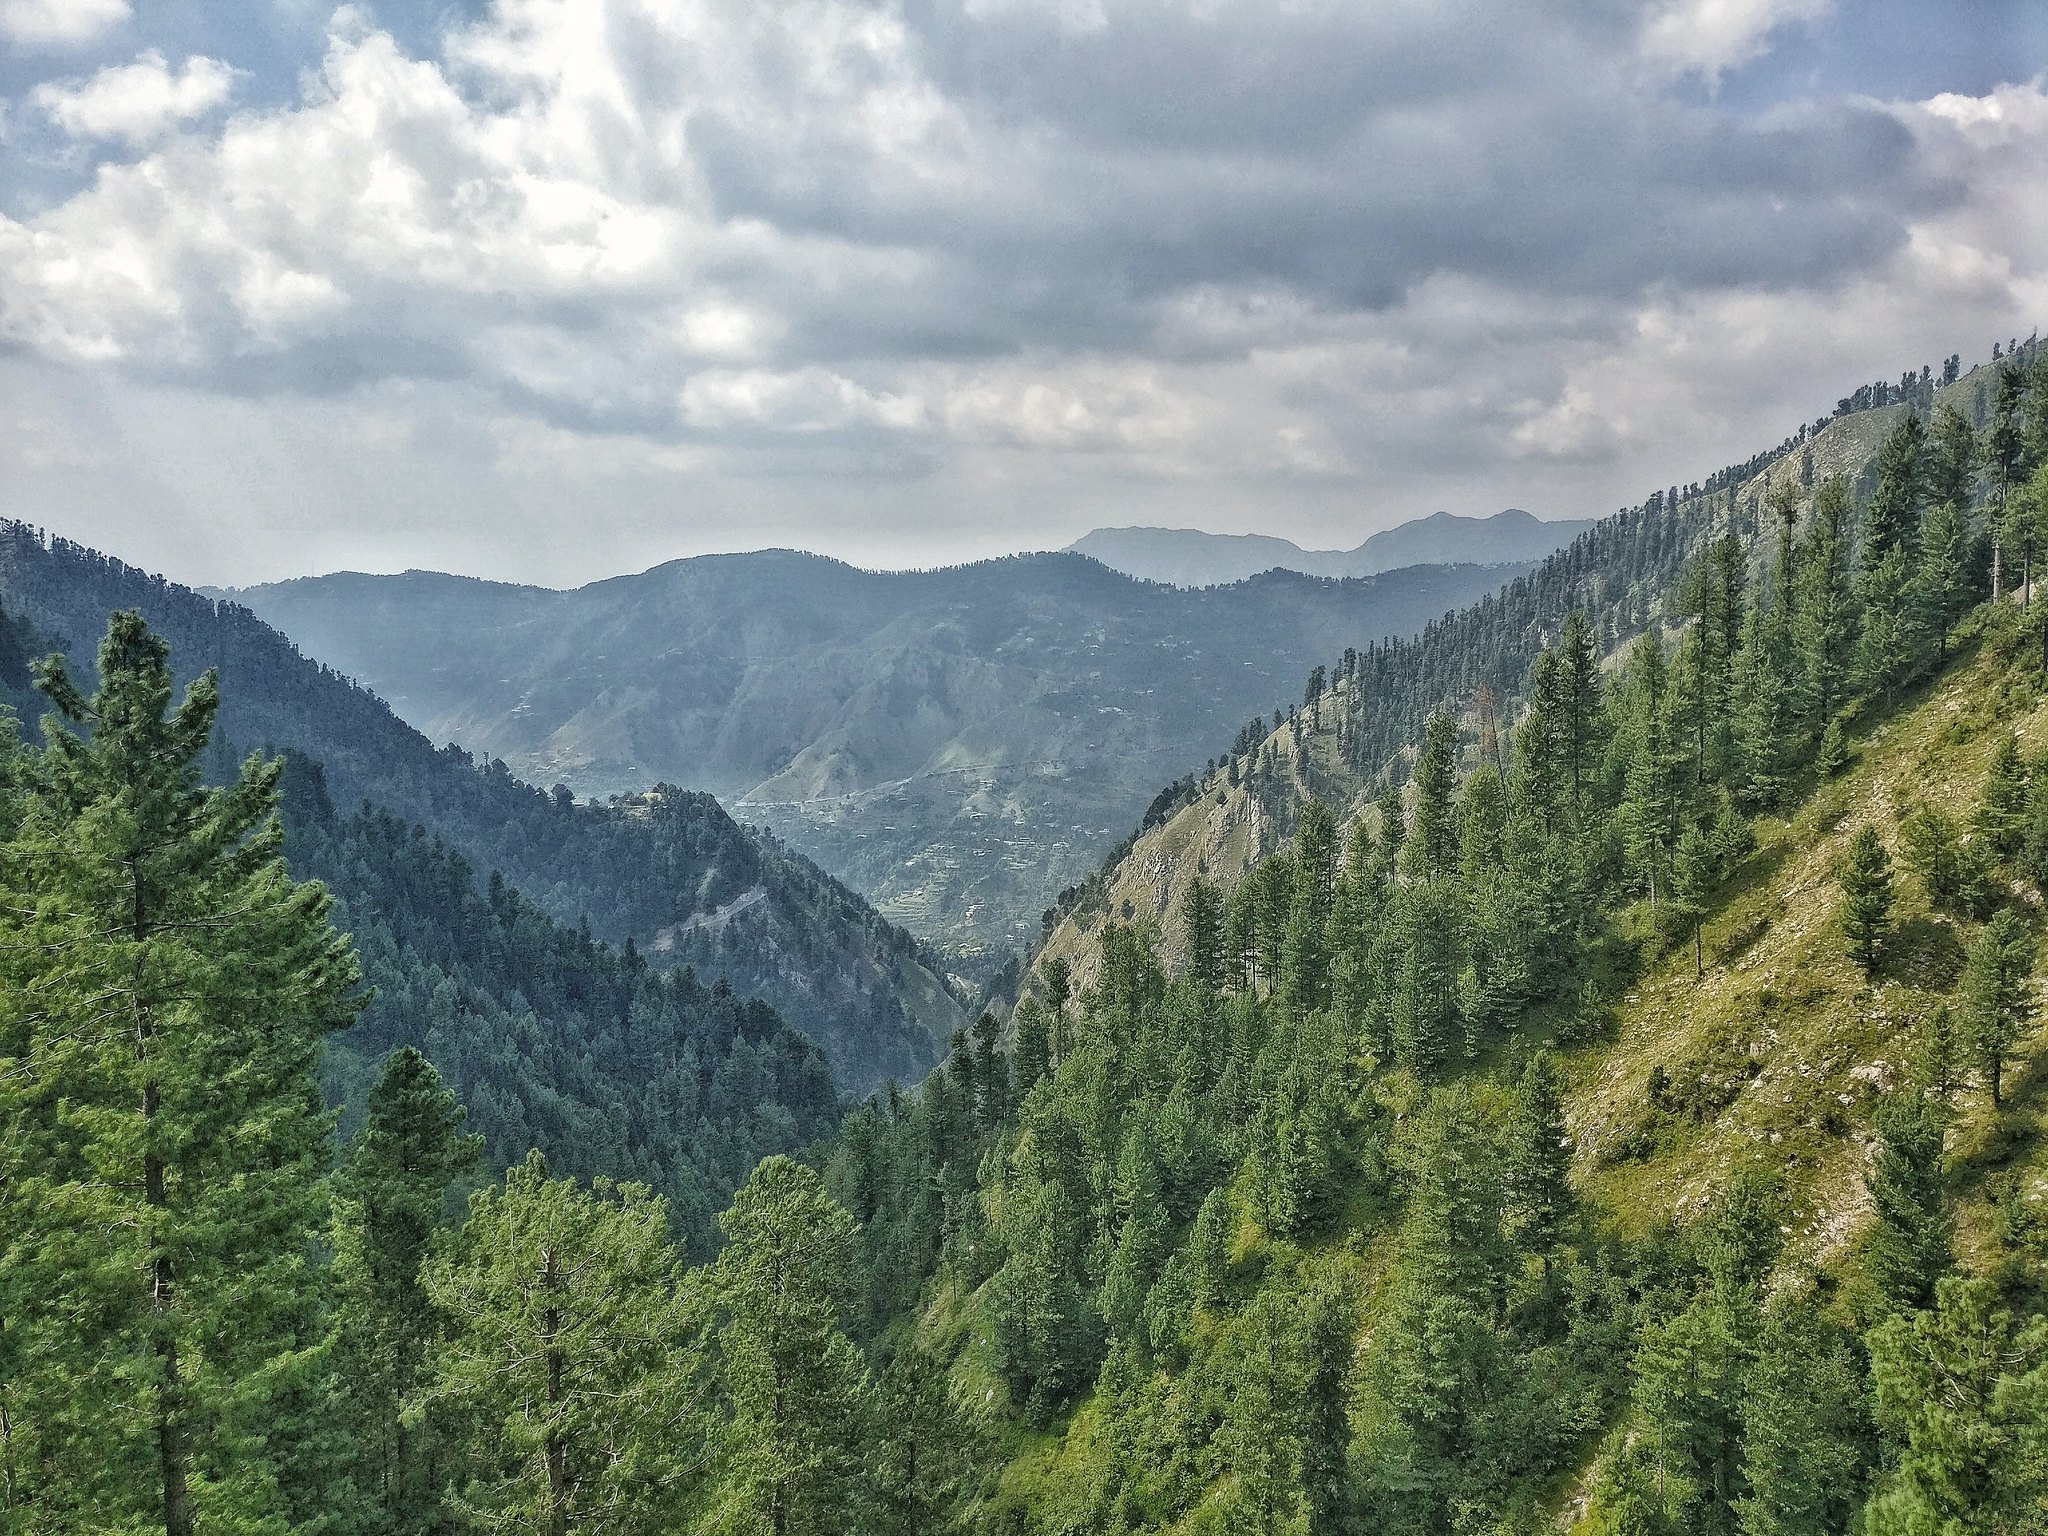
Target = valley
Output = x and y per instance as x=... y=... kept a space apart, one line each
x=958 y=745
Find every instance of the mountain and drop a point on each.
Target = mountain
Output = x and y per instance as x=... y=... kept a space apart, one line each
x=667 y=868
x=957 y=744
x=1187 y=557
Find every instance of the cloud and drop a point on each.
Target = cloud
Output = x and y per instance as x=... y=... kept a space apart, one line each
x=1711 y=37
x=1030 y=253
x=59 y=24
x=136 y=102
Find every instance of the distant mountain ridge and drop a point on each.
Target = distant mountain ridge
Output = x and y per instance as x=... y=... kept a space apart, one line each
x=669 y=869
x=957 y=744
x=1188 y=557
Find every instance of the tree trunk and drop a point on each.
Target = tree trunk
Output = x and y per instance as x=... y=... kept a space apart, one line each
x=556 y=1450
x=172 y=1451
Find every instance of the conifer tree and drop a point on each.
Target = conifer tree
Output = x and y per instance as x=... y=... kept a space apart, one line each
x=1944 y=583
x=1866 y=880
x=1962 y=1390
x=927 y=1450
x=1826 y=610
x=1202 y=922
x=1427 y=1025
x=1806 y=1440
x=1263 y=1431
x=571 y=1358
x=1579 y=658
x=1432 y=847
x=1539 y=1200
x=2003 y=450
x=1649 y=794
x=1030 y=1052
x=392 y=1190
x=1952 y=456
x=789 y=1462
x=2001 y=815
x=1393 y=826
x=1891 y=523
x=1906 y=1248
x=1997 y=1000
x=166 y=998
x=1764 y=705
x=1692 y=883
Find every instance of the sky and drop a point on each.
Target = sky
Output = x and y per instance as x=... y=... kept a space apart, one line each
x=549 y=290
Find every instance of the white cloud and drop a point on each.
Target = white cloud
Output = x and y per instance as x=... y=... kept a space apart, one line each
x=137 y=102
x=1710 y=37
x=806 y=400
x=57 y=24
x=812 y=262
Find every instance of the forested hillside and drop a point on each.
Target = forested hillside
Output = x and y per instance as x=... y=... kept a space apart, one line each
x=554 y=1041
x=668 y=868
x=1628 y=1123
x=956 y=744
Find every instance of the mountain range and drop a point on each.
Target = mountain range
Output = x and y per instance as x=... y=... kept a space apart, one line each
x=1188 y=557
x=958 y=744
x=666 y=868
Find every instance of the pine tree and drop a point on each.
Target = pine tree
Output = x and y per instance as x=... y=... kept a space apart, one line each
x=1305 y=964
x=1826 y=617
x=1393 y=826
x=168 y=993
x=1806 y=1438
x=569 y=1354
x=2001 y=815
x=1649 y=793
x=2003 y=449
x=1866 y=881
x=1539 y=1200
x=1952 y=459
x=927 y=1450
x=1202 y=924
x=1763 y=711
x=1579 y=656
x=1427 y=1026
x=1891 y=523
x=1963 y=1391
x=1262 y=1433
x=1906 y=1248
x=1944 y=583
x=1692 y=883
x=1997 y=1000
x=1432 y=848
x=790 y=1457
x=393 y=1189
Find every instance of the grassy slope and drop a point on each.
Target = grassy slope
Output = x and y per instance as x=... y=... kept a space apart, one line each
x=1784 y=1026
